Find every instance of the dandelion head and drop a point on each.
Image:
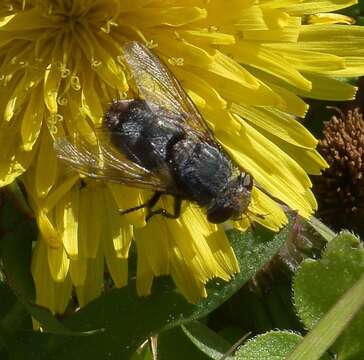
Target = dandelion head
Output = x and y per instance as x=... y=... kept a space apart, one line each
x=246 y=67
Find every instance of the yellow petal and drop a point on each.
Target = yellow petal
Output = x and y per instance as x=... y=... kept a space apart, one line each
x=293 y=104
x=52 y=81
x=333 y=39
x=94 y=282
x=117 y=266
x=153 y=244
x=171 y=16
x=205 y=37
x=257 y=56
x=190 y=234
x=266 y=211
x=316 y=6
x=354 y=67
x=278 y=173
x=194 y=82
x=13 y=160
x=144 y=271
x=329 y=89
x=117 y=227
x=46 y=166
x=48 y=231
x=313 y=61
x=91 y=220
x=237 y=9
x=78 y=271
x=324 y=18
x=17 y=97
x=57 y=193
x=237 y=92
x=27 y=20
x=223 y=252
x=310 y=159
x=14 y=166
x=58 y=263
x=227 y=68
x=191 y=287
x=67 y=214
x=187 y=53
x=53 y=295
x=278 y=124
x=91 y=101
x=32 y=121
x=128 y=198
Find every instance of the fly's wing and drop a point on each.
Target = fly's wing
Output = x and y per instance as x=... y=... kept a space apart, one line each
x=166 y=99
x=103 y=162
x=158 y=87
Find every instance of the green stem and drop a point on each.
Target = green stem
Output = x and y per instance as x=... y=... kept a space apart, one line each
x=322 y=229
x=323 y=335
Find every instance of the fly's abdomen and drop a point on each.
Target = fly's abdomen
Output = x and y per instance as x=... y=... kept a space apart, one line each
x=201 y=169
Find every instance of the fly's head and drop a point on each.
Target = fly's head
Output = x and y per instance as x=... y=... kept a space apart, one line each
x=233 y=202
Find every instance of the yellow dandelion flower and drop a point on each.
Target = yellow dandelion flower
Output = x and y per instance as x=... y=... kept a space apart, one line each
x=246 y=65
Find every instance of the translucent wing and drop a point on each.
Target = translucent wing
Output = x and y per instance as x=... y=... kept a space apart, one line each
x=102 y=161
x=157 y=86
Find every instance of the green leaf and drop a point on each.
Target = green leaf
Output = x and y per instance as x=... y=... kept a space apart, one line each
x=361 y=4
x=128 y=320
x=272 y=345
x=352 y=11
x=19 y=200
x=10 y=214
x=232 y=333
x=319 y=284
x=320 y=338
x=210 y=343
x=18 y=231
x=15 y=250
x=7 y=300
x=174 y=344
x=360 y=20
x=253 y=250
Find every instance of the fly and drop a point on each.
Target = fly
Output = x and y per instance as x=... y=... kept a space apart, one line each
x=159 y=141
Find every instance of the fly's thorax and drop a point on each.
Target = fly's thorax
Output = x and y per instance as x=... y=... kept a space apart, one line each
x=233 y=201
x=124 y=110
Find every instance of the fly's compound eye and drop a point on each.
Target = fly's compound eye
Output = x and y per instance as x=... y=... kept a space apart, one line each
x=219 y=215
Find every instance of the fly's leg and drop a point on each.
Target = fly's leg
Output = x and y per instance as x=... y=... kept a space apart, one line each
x=149 y=204
x=176 y=210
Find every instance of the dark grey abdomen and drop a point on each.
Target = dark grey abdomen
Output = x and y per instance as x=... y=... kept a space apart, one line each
x=202 y=169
